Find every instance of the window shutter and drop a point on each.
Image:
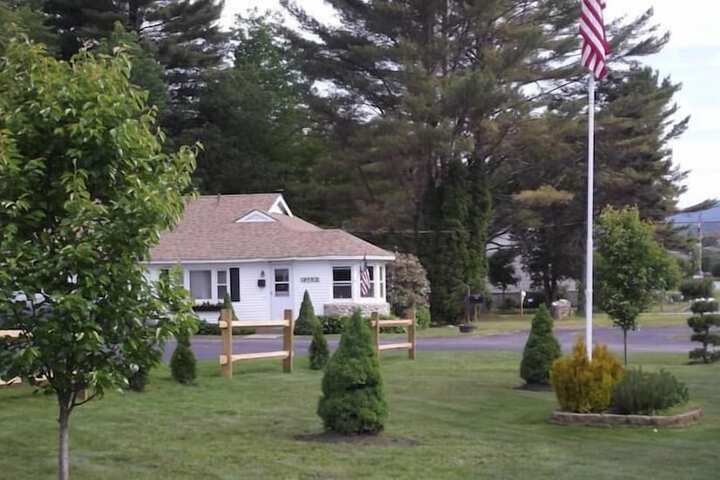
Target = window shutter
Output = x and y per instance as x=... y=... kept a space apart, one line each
x=235 y=284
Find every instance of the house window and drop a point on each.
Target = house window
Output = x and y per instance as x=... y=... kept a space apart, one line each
x=371 y=285
x=200 y=287
x=342 y=282
x=381 y=278
x=222 y=286
x=282 y=282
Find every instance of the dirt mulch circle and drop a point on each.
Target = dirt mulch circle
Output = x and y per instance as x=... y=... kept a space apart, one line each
x=381 y=440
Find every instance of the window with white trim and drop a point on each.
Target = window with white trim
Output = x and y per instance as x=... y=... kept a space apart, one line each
x=342 y=282
x=200 y=284
x=221 y=284
x=371 y=291
x=282 y=282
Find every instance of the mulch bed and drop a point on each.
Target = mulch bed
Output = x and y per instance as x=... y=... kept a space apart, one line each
x=381 y=440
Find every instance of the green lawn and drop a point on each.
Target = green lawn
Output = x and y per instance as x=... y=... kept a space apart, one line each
x=498 y=323
x=453 y=415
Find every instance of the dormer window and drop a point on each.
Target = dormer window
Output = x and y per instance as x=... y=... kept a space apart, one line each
x=256 y=216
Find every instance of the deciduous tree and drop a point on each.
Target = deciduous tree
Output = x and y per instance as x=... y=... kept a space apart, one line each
x=85 y=190
x=631 y=265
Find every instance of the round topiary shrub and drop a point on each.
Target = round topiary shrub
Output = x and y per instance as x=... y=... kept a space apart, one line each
x=541 y=350
x=319 y=351
x=353 y=400
x=582 y=386
x=183 y=363
x=306 y=318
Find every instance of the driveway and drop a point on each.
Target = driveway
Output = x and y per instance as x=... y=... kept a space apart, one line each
x=648 y=339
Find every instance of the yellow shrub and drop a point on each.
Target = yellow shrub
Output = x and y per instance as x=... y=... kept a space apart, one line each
x=582 y=386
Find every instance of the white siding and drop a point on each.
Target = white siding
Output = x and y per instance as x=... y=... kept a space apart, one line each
x=255 y=302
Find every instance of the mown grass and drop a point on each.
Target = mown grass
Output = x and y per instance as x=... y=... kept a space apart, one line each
x=499 y=323
x=453 y=415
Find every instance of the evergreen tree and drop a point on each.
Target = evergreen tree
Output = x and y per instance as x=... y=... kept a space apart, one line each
x=704 y=324
x=353 y=400
x=182 y=362
x=449 y=264
x=306 y=318
x=255 y=124
x=183 y=35
x=319 y=351
x=541 y=350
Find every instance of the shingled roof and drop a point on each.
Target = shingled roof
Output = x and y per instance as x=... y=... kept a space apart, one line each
x=211 y=231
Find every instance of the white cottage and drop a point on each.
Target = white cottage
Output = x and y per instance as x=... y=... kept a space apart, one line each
x=255 y=249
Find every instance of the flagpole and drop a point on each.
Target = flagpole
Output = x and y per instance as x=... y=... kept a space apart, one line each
x=589 y=244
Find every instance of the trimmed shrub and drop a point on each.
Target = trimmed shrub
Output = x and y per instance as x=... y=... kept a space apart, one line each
x=183 y=363
x=703 y=325
x=643 y=393
x=407 y=282
x=541 y=350
x=582 y=386
x=697 y=288
x=306 y=318
x=422 y=317
x=353 y=399
x=319 y=351
x=332 y=325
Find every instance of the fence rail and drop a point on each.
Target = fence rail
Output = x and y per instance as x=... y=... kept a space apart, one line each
x=410 y=323
x=227 y=358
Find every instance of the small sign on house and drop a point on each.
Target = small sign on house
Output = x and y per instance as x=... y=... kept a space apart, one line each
x=310 y=279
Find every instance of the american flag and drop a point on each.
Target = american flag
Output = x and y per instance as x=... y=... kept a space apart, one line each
x=365 y=279
x=595 y=48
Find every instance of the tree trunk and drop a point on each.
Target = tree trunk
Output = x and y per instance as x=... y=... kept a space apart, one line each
x=64 y=442
x=625 y=344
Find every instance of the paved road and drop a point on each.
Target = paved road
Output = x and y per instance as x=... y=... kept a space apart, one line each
x=648 y=339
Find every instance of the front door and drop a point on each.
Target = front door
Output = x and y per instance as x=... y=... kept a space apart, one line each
x=281 y=292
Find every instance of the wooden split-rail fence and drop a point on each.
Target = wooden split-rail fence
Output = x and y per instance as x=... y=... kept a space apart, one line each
x=409 y=323
x=227 y=358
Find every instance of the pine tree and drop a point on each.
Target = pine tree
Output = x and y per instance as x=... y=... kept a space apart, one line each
x=319 y=351
x=183 y=35
x=182 y=362
x=449 y=262
x=255 y=124
x=353 y=400
x=541 y=350
x=306 y=318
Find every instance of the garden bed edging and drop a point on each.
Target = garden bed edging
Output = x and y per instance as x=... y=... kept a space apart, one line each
x=610 y=419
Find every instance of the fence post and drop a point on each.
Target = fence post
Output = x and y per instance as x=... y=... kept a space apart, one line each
x=288 y=342
x=375 y=325
x=226 y=316
x=411 y=333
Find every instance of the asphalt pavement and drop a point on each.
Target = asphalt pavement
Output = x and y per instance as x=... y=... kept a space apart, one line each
x=647 y=339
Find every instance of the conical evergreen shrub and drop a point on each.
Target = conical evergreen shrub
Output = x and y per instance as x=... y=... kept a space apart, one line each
x=183 y=363
x=319 y=352
x=541 y=350
x=306 y=319
x=353 y=400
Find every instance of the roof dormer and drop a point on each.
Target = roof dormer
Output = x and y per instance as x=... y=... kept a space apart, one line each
x=281 y=207
x=255 y=216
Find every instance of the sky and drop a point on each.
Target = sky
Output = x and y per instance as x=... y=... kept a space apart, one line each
x=692 y=58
